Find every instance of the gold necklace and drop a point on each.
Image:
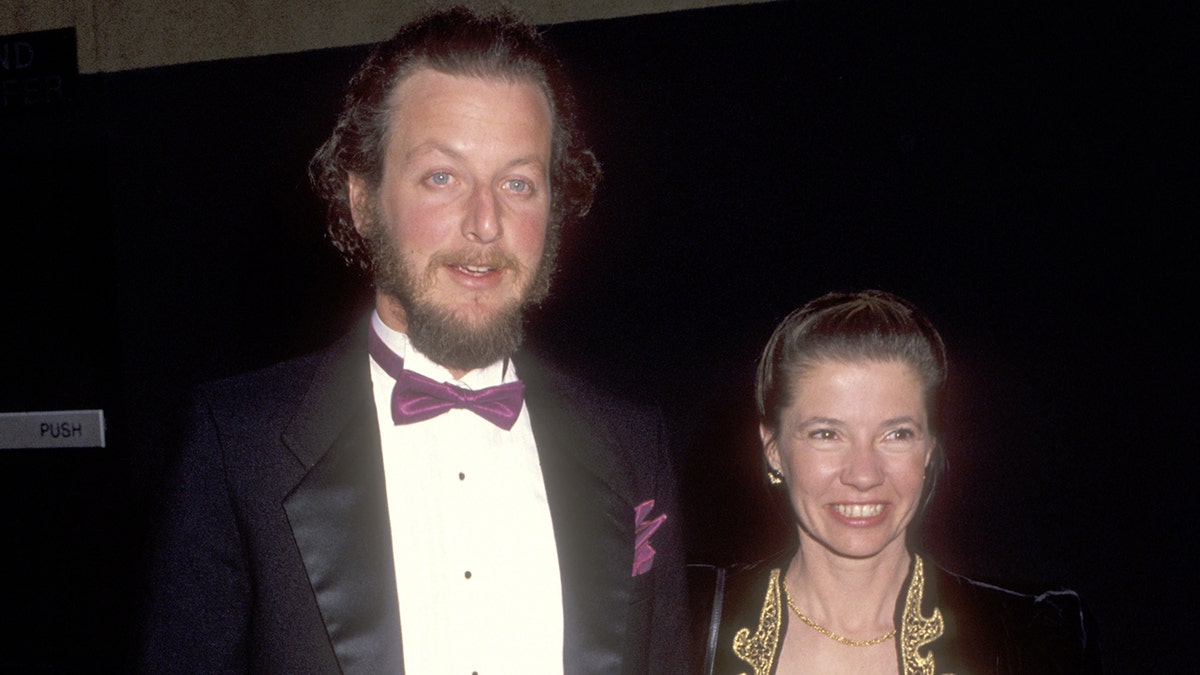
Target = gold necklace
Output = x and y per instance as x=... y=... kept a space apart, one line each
x=828 y=633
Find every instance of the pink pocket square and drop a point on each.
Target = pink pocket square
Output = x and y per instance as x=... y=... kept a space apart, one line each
x=643 y=552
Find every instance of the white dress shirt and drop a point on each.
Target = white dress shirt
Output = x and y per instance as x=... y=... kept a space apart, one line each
x=476 y=563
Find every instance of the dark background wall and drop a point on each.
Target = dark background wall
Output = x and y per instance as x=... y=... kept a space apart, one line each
x=1022 y=174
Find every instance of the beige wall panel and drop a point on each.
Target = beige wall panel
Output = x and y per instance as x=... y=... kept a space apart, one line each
x=127 y=34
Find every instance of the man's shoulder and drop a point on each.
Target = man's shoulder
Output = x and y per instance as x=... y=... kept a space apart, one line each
x=285 y=382
x=622 y=440
x=604 y=408
x=581 y=389
x=265 y=378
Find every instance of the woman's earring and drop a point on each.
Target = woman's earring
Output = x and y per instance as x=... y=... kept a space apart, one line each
x=774 y=477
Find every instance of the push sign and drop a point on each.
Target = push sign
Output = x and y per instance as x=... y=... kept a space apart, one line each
x=54 y=429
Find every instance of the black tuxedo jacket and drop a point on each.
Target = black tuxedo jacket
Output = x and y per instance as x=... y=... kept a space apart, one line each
x=274 y=553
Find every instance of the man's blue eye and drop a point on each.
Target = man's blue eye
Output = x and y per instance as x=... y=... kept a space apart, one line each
x=440 y=178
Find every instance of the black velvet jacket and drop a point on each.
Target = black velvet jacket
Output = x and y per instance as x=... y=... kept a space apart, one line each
x=946 y=624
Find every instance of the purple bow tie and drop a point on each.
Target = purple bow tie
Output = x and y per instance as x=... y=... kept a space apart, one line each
x=416 y=398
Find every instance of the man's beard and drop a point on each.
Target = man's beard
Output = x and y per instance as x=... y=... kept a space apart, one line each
x=437 y=332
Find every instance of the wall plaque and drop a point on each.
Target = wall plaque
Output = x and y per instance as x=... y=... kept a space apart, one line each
x=39 y=72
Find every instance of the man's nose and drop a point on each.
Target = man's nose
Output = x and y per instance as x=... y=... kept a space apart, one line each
x=481 y=223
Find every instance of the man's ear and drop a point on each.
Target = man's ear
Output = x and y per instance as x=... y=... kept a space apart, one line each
x=359 y=195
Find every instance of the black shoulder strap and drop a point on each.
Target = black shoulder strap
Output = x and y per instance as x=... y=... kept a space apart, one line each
x=714 y=624
x=706 y=594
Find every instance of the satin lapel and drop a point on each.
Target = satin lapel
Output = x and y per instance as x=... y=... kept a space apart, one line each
x=593 y=527
x=338 y=512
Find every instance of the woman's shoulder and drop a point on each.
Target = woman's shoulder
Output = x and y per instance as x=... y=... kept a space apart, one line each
x=1046 y=630
x=738 y=616
x=729 y=591
x=747 y=584
x=1007 y=607
x=986 y=597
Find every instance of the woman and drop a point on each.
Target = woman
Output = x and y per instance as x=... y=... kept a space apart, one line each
x=847 y=393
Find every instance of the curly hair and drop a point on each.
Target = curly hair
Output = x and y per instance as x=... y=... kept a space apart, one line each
x=454 y=41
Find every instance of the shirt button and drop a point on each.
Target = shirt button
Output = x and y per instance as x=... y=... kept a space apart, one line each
x=467 y=574
x=462 y=476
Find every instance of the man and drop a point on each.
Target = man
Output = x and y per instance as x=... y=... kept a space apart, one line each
x=421 y=497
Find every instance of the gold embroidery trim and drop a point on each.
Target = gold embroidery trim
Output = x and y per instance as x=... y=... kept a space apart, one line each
x=917 y=631
x=759 y=650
